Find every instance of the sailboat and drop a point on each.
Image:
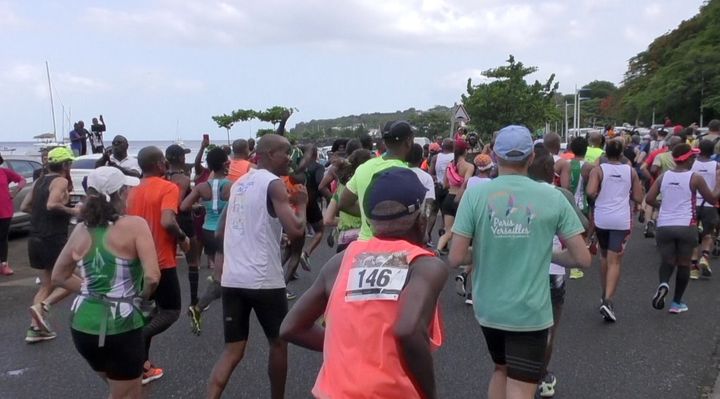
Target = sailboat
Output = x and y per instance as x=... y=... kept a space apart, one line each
x=47 y=141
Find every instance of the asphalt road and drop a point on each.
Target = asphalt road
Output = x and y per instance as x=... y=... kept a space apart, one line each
x=646 y=354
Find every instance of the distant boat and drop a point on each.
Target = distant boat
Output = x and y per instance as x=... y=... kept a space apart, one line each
x=47 y=141
x=5 y=150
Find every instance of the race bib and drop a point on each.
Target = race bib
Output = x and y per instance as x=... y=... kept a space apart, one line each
x=377 y=277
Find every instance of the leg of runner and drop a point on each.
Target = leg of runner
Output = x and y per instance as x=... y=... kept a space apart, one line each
x=168 y=301
x=445 y=238
x=193 y=260
x=319 y=229
x=546 y=389
x=666 y=244
x=296 y=251
x=686 y=241
x=229 y=359
x=46 y=297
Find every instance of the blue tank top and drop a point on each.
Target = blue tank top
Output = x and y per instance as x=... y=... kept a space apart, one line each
x=215 y=205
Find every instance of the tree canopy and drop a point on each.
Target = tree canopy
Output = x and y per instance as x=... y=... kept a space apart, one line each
x=272 y=115
x=508 y=99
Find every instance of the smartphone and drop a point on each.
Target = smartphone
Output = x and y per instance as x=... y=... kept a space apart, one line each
x=206 y=137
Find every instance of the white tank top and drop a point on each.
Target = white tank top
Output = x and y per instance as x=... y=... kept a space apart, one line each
x=252 y=236
x=707 y=171
x=441 y=163
x=612 y=206
x=677 y=207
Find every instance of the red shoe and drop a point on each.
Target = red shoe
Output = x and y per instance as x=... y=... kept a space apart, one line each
x=5 y=270
x=151 y=374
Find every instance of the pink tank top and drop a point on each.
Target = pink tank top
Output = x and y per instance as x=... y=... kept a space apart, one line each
x=361 y=359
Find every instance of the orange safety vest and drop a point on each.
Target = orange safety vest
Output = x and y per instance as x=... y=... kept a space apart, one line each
x=361 y=358
x=238 y=168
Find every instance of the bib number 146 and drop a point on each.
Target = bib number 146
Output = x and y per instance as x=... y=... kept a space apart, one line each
x=375 y=283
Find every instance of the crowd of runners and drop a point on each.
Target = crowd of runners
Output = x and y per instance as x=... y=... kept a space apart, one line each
x=401 y=217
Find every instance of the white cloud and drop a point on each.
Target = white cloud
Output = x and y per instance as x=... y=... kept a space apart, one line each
x=8 y=18
x=653 y=10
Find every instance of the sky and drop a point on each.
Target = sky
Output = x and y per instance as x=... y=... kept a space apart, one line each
x=159 y=69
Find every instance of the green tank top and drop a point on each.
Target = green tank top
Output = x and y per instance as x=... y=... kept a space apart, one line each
x=105 y=304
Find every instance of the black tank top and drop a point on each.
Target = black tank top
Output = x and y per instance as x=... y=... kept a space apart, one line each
x=45 y=223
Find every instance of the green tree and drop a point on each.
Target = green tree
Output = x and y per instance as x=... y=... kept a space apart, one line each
x=275 y=115
x=432 y=123
x=509 y=99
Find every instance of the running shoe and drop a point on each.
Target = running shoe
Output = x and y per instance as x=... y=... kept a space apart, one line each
x=460 y=284
x=195 y=319
x=151 y=374
x=658 y=301
x=546 y=389
x=694 y=272
x=576 y=273
x=649 y=229
x=6 y=270
x=607 y=311
x=676 y=308
x=290 y=296
x=305 y=261
x=468 y=299
x=39 y=312
x=705 y=269
x=35 y=335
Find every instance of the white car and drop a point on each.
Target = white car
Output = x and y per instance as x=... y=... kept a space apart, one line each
x=79 y=170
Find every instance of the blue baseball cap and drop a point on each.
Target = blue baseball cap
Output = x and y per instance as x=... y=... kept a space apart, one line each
x=513 y=143
x=396 y=184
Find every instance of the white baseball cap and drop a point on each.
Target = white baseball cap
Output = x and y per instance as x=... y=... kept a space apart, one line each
x=107 y=180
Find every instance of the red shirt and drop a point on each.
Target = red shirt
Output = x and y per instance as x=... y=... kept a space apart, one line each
x=652 y=155
x=7 y=176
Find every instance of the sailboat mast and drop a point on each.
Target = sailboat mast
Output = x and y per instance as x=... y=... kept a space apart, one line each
x=52 y=104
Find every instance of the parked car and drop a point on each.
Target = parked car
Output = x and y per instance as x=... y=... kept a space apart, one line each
x=79 y=170
x=25 y=168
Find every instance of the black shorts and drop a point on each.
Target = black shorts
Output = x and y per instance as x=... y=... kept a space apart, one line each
x=44 y=251
x=612 y=240
x=522 y=352
x=270 y=307
x=167 y=294
x=676 y=241
x=185 y=221
x=449 y=207
x=440 y=193
x=313 y=213
x=709 y=218
x=213 y=245
x=120 y=359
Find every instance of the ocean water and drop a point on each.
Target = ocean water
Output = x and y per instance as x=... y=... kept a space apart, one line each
x=29 y=149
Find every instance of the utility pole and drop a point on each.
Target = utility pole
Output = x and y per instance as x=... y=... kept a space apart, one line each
x=702 y=92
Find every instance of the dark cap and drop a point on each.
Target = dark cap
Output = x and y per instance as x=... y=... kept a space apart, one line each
x=397 y=130
x=174 y=152
x=396 y=184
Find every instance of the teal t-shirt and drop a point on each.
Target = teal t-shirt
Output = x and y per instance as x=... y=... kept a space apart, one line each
x=512 y=221
x=360 y=181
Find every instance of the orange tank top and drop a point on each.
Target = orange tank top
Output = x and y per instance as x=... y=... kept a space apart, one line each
x=361 y=358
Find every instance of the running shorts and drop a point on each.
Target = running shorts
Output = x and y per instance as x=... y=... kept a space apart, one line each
x=449 y=207
x=167 y=294
x=185 y=221
x=709 y=218
x=213 y=245
x=612 y=240
x=121 y=358
x=313 y=213
x=270 y=306
x=523 y=352
x=676 y=241
x=44 y=251
x=440 y=193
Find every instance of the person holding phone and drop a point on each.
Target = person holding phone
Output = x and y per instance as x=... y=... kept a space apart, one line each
x=117 y=156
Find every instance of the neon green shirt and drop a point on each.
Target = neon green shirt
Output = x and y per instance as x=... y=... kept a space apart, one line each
x=593 y=154
x=512 y=221
x=360 y=181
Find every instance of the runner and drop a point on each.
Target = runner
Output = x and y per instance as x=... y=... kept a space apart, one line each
x=511 y=294
x=707 y=213
x=348 y=226
x=177 y=173
x=258 y=211
x=398 y=142
x=119 y=268
x=415 y=158
x=118 y=157
x=664 y=161
x=594 y=151
x=651 y=175
x=483 y=169
x=7 y=176
x=612 y=185
x=49 y=221
x=156 y=200
x=677 y=227
x=314 y=173
x=433 y=151
x=459 y=171
x=214 y=194
x=379 y=299
x=239 y=164
x=542 y=169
